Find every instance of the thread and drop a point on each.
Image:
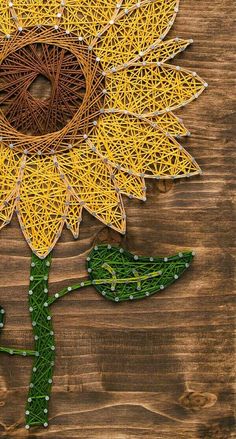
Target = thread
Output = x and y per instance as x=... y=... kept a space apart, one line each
x=108 y=121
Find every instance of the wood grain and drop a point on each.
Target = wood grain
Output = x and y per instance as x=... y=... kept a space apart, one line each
x=160 y=368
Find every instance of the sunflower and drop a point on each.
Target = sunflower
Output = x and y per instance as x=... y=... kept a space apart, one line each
x=103 y=124
x=107 y=122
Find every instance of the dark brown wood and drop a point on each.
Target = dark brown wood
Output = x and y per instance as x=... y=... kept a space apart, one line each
x=160 y=368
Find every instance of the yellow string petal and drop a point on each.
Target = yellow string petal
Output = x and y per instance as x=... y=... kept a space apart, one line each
x=87 y=19
x=89 y=180
x=171 y=124
x=130 y=185
x=151 y=89
x=167 y=50
x=135 y=30
x=6 y=23
x=42 y=205
x=74 y=216
x=136 y=147
x=6 y=211
x=10 y=163
x=36 y=12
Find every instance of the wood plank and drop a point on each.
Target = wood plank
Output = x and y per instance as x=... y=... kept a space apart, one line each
x=161 y=368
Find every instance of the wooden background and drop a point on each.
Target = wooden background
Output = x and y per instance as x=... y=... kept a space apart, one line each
x=160 y=368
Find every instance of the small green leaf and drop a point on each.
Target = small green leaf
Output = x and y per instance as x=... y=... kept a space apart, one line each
x=2 y=314
x=119 y=275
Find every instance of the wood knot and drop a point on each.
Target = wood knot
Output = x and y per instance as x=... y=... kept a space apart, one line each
x=3 y=396
x=197 y=400
x=164 y=186
x=108 y=236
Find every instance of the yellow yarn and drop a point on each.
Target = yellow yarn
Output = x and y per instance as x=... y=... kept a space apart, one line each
x=155 y=154
x=134 y=136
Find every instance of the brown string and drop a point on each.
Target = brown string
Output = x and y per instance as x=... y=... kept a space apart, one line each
x=32 y=124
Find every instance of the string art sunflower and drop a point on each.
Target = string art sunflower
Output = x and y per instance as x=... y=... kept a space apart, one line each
x=105 y=125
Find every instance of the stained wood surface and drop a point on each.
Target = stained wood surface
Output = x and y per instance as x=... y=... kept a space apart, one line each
x=161 y=368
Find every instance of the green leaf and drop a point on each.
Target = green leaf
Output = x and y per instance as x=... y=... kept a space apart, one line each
x=119 y=275
x=2 y=314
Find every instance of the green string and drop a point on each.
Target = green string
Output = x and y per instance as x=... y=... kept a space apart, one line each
x=42 y=374
x=68 y=290
x=122 y=276
x=15 y=351
x=12 y=351
x=116 y=274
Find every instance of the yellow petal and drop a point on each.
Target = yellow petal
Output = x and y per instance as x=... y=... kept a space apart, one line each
x=167 y=50
x=6 y=211
x=151 y=89
x=89 y=180
x=135 y=30
x=74 y=216
x=10 y=171
x=171 y=124
x=87 y=19
x=42 y=205
x=10 y=163
x=134 y=146
x=130 y=185
x=36 y=12
x=6 y=23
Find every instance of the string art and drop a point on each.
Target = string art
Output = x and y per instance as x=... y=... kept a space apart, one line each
x=103 y=124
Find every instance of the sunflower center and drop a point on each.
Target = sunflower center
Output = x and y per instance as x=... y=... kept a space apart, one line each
x=44 y=87
x=51 y=87
x=41 y=88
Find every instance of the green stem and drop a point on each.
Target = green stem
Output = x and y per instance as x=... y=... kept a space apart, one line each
x=15 y=351
x=41 y=381
x=12 y=351
x=68 y=290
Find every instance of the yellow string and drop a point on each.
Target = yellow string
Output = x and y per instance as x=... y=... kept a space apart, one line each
x=134 y=134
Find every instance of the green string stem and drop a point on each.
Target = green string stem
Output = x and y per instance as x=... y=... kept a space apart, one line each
x=15 y=351
x=68 y=290
x=116 y=274
x=8 y=350
x=42 y=374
